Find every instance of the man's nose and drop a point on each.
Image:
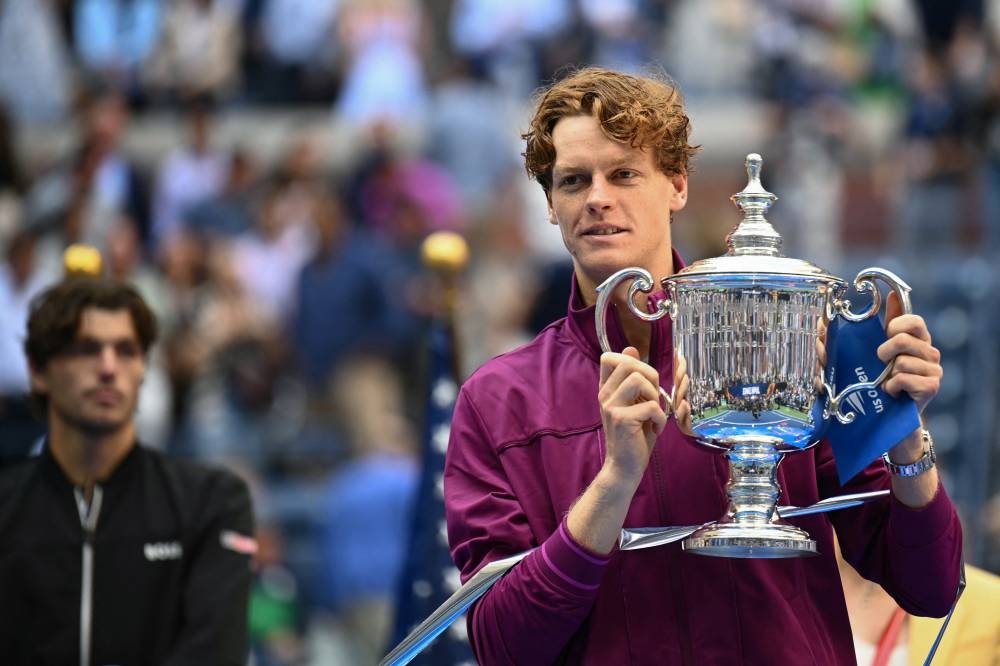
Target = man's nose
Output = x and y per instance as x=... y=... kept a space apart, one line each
x=599 y=195
x=108 y=360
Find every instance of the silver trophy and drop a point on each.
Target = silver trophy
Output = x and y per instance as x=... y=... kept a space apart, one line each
x=748 y=325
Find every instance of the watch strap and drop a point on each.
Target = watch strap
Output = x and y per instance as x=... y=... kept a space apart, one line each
x=919 y=466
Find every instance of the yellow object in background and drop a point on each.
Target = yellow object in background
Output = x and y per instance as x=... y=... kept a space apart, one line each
x=82 y=261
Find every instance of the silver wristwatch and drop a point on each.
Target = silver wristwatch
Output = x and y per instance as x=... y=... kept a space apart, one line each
x=924 y=463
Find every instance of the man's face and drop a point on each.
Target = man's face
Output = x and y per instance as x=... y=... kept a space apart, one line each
x=612 y=204
x=93 y=386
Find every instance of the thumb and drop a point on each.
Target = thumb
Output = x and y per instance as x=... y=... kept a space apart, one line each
x=631 y=352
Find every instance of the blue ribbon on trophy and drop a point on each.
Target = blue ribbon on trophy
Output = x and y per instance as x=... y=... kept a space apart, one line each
x=880 y=420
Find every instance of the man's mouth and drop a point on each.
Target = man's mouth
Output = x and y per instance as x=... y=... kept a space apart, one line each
x=603 y=231
x=106 y=396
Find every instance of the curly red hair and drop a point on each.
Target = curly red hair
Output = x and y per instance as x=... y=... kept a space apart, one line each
x=643 y=111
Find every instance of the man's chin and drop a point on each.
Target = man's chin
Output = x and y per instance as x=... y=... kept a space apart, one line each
x=99 y=426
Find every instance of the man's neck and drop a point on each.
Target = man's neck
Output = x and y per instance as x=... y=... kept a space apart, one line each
x=88 y=459
x=637 y=332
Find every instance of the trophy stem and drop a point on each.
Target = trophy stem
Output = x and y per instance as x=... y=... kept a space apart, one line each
x=751 y=526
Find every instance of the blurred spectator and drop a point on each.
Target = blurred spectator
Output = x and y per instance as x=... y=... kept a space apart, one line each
x=13 y=180
x=888 y=31
x=504 y=280
x=503 y=38
x=624 y=32
x=230 y=212
x=190 y=174
x=404 y=198
x=230 y=353
x=83 y=198
x=184 y=265
x=885 y=634
x=19 y=283
x=298 y=48
x=940 y=20
x=468 y=134
x=368 y=505
x=115 y=38
x=198 y=53
x=988 y=138
x=269 y=259
x=36 y=81
x=124 y=259
x=383 y=67
x=936 y=160
x=347 y=300
x=807 y=151
x=710 y=46
x=180 y=534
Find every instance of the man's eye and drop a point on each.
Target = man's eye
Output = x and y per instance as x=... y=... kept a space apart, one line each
x=127 y=349
x=569 y=181
x=84 y=348
x=626 y=174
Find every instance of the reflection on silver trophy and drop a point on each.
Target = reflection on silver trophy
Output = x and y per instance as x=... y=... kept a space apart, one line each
x=748 y=326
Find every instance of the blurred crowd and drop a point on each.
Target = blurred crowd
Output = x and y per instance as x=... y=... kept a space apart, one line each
x=288 y=281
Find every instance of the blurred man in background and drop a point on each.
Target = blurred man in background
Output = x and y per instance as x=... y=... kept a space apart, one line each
x=113 y=553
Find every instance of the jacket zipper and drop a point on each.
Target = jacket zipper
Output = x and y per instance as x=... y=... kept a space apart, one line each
x=88 y=521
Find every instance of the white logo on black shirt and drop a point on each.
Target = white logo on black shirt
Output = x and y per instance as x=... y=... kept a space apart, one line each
x=166 y=550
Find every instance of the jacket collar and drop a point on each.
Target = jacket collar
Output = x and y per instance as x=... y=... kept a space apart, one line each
x=581 y=326
x=51 y=470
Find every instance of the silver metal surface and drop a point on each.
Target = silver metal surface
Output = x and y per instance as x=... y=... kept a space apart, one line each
x=450 y=610
x=865 y=281
x=749 y=325
x=641 y=281
x=759 y=541
x=637 y=538
x=445 y=614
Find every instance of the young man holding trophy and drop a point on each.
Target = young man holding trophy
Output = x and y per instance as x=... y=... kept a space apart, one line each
x=557 y=446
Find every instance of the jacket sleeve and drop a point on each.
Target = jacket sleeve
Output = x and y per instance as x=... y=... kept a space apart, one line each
x=531 y=614
x=217 y=583
x=915 y=554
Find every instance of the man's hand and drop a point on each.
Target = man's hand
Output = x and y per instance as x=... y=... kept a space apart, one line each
x=629 y=395
x=917 y=372
x=917 y=369
x=633 y=418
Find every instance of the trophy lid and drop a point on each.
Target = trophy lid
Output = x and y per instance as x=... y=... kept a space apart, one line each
x=754 y=245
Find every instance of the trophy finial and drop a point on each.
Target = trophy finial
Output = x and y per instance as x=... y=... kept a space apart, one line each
x=754 y=235
x=753 y=164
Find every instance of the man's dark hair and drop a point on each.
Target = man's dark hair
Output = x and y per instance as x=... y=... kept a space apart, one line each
x=55 y=315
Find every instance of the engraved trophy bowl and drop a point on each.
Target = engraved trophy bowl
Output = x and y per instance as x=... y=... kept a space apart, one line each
x=748 y=325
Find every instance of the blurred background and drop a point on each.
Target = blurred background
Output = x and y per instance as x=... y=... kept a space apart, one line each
x=266 y=170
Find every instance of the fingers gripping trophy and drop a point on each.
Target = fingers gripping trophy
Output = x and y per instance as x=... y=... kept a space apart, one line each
x=748 y=332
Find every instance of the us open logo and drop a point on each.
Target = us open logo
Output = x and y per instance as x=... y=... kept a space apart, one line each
x=856 y=400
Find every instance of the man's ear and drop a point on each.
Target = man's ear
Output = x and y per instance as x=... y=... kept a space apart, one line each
x=679 y=199
x=39 y=383
x=552 y=214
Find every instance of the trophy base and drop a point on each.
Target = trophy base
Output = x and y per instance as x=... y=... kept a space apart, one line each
x=767 y=541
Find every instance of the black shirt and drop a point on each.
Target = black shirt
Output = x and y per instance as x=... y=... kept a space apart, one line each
x=169 y=561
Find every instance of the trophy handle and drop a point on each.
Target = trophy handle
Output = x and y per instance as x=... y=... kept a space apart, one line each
x=865 y=281
x=643 y=282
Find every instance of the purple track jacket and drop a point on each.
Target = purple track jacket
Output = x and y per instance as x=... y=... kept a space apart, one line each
x=526 y=440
